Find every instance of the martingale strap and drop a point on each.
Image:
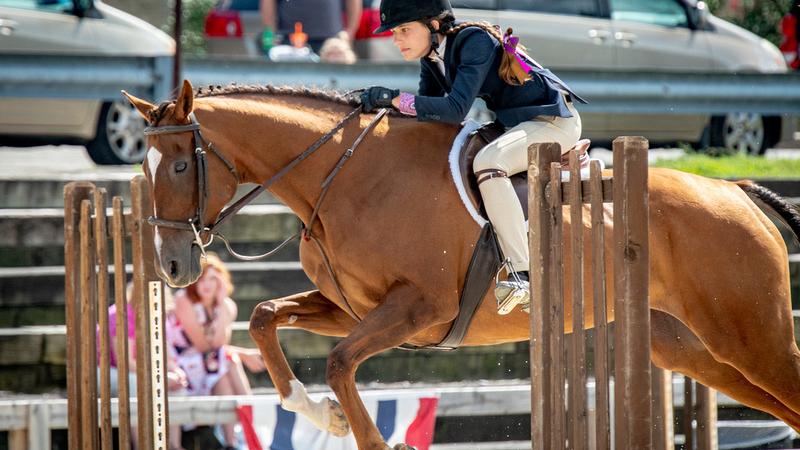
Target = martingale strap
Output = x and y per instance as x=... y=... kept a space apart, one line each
x=247 y=198
x=345 y=157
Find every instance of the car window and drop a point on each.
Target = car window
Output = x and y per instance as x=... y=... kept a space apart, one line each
x=474 y=4
x=666 y=13
x=569 y=7
x=40 y=5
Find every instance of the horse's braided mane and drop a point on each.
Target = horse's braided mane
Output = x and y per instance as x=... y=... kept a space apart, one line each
x=348 y=99
x=302 y=91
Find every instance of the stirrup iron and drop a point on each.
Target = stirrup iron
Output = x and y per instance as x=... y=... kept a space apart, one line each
x=512 y=292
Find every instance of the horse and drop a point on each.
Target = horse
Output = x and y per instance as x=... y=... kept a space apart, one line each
x=392 y=241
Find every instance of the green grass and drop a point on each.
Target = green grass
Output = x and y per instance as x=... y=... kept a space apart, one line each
x=735 y=166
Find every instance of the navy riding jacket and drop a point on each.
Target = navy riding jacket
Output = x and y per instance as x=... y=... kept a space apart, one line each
x=472 y=59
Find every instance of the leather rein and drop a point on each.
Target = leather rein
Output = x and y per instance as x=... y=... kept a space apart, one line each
x=197 y=226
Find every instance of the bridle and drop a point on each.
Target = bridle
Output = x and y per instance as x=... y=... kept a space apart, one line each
x=198 y=227
x=194 y=224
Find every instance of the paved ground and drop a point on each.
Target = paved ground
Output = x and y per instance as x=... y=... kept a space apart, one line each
x=63 y=160
x=50 y=160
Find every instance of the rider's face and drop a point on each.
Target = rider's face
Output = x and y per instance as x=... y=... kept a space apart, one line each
x=413 y=39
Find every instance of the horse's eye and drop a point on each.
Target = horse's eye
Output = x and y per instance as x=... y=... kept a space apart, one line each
x=180 y=166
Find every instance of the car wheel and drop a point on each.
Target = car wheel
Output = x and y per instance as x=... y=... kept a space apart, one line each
x=120 y=138
x=745 y=133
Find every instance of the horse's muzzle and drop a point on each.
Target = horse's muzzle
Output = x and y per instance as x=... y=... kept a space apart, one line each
x=180 y=271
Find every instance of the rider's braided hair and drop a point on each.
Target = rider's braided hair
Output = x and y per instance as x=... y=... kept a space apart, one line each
x=510 y=71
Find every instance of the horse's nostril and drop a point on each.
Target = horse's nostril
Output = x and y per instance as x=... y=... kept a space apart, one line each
x=173 y=268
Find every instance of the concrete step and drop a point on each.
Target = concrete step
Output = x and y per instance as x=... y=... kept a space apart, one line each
x=33 y=359
x=35 y=296
x=53 y=255
x=47 y=191
x=47 y=344
x=43 y=228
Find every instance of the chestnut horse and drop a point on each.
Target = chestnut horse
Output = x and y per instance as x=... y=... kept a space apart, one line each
x=400 y=240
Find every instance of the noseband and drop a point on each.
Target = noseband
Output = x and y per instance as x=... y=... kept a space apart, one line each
x=196 y=224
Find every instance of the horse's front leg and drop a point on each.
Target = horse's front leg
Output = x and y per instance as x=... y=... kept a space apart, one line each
x=402 y=313
x=313 y=312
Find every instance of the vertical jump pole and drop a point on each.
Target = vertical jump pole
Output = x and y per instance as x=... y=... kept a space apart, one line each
x=631 y=296
x=540 y=158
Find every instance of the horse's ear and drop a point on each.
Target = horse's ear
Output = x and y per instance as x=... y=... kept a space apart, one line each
x=183 y=106
x=143 y=106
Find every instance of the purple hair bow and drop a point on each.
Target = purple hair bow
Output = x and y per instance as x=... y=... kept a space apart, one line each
x=510 y=45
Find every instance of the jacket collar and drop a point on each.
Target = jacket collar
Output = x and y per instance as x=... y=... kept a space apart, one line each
x=443 y=79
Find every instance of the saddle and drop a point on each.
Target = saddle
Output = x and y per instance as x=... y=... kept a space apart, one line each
x=477 y=140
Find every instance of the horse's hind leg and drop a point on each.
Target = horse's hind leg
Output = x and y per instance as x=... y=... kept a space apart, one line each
x=402 y=313
x=313 y=312
x=675 y=347
x=744 y=318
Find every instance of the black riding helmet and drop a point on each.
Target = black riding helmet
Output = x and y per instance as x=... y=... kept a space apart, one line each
x=398 y=12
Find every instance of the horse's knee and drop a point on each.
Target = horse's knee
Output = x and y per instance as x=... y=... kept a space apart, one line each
x=339 y=368
x=262 y=319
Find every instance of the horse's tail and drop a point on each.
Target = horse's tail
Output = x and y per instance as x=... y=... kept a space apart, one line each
x=788 y=213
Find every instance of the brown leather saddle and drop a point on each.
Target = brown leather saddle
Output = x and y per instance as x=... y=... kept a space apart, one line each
x=479 y=139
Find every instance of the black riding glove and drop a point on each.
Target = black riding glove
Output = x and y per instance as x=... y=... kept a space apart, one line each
x=375 y=97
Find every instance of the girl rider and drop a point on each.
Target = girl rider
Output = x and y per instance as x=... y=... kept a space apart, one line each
x=462 y=61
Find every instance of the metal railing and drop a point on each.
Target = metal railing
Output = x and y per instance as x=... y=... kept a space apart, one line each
x=102 y=77
x=84 y=77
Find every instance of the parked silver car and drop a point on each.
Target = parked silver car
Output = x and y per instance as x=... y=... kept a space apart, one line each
x=111 y=131
x=625 y=35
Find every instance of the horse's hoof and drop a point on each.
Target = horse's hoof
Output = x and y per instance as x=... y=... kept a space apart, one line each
x=337 y=425
x=403 y=447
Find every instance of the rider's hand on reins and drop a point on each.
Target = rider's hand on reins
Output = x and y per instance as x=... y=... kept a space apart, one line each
x=376 y=97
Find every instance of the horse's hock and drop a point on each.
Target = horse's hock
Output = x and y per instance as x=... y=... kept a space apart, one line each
x=87 y=232
x=642 y=392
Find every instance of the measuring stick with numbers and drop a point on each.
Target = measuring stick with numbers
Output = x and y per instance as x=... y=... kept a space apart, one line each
x=158 y=374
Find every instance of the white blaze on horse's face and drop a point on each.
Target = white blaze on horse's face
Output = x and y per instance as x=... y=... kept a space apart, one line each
x=153 y=160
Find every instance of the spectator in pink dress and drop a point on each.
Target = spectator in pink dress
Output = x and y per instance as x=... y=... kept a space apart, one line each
x=176 y=378
x=204 y=315
x=112 y=350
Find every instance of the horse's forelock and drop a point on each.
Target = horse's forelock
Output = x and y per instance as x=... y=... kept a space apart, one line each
x=158 y=113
